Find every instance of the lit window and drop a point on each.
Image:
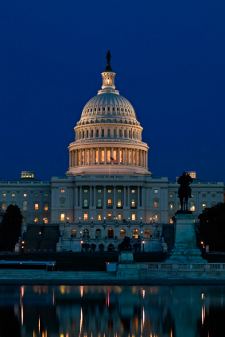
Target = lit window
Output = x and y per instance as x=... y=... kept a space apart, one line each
x=132 y=191
x=110 y=233
x=133 y=216
x=147 y=233
x=46 y=207
x=24 y=205
x=135 y=233
x=133 y=203
x=85 y=191
x=203 y=205
x=73 y=233
x=119 y=217
x=156 y=203
x=13 y=195
x=171 y=195
x=25 y=195
x=36 y=220
x=99 y=191
x=119 y=203
x=3 y=206
x=109 y=215
x=4 y=195
x=36 y=206
x=46 y=195
x=85 y=202
x=109 y=191
x=62 y=191
x=109 y=203
x=171 y=220
x=156 y=191
x=99 y=203
x=156 y=217
x=122 y=233
x=119 y=191
x=36 y=195
x=45 y=220
x=192 y=206
x=85 y=216
x=99 y=216
x=171 y=206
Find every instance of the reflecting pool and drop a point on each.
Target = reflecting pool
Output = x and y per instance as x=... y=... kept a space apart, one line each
x=102 y=311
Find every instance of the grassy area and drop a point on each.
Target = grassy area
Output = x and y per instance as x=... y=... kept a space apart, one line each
x=82 y=261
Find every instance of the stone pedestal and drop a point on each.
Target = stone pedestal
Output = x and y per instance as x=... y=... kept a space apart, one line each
x=126 y=267
x=185 y=249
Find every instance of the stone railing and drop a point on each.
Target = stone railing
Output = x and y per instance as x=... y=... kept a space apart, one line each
x=187 y=266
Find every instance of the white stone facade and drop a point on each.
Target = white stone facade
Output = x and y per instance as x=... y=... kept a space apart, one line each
x=108 y=191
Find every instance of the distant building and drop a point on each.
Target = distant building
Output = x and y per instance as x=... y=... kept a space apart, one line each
x=108 y=191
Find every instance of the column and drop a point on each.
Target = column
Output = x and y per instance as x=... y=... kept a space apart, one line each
x=136 y=157
x=132 y=159
x=80 y=201
x=76 y=196
x=104 y=197
x=146 y=158
x=111 y=153
x=85 y=156
x=114 y=197
x=138 y=196
x=94 y=196
x=91 y=196
x=98 y=156
x=105 y=154
x=124 y=196
x=128 y=196
x=119 y=155
x=142 y=197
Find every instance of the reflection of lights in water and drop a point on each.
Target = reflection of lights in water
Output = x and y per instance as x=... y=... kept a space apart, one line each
x=143 y=293
x=81 y=291
x=39 y=324
x=202 y=296
x=67 y=334
x=21 y=308
x=81 y=319
x=62 y=289
x=171 y=333
x=203 y=315
x=53 y=297
x=22 y=291
x=143 y=316
x=107 y=299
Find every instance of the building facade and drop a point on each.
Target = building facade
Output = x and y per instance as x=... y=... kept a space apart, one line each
x=108 y=192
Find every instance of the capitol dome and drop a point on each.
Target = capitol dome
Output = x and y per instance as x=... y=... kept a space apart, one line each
x=108 y=136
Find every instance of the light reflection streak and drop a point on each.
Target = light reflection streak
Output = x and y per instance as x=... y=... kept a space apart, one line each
x=143 y=293
x=81 y=319
x=171 y=333
x=81 y=291
x=143 y=316
x=39 y=324
x=203 y=315
x=21 y=313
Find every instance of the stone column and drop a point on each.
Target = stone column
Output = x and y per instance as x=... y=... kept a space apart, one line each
x=85 y=156
x=138 y=196
x=132 y=159
x=91 y=196
x=105 y=154
x=124 y=196
x=128 y=197
x=118 y=155
x=142 y=197
x=136 y=157
x=76 y=196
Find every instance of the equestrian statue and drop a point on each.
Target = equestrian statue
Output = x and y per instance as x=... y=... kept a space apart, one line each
x=184 y=191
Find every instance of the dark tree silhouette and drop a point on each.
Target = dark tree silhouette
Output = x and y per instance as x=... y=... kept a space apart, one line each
x=11 y=227
x=212 y=227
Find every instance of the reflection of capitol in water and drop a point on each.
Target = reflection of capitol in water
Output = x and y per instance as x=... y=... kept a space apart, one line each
x=102 y=311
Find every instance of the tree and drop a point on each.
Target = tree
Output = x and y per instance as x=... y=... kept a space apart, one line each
x=212 y=227
x=11 y=227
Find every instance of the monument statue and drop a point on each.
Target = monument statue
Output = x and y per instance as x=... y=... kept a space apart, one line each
x=184 y=191
x=108 y=64
x=125 y=244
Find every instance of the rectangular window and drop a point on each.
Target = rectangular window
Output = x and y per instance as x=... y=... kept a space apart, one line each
x=62 y=202
x=133 y=216
x=99 y=203
x=119 y=203
x=99 y=216
x=156 y=191
x=109 y=203
x=46 y=195
x=4 y=195
x=25 y=206
x=45 y=220
x=109 y=216
x=85 y=202
x=25 y=195
x=156 y=204
x=85 y=216
x=108 y=132
x=36 y=220
x=62 y=191
x=203 y=205
x=132 y=191
x=36 y=195
x=109 y=191
x=119 y=191
x=36 y=206
x=62 y=217
x=3 y=206
x=45 y=207
x=132 y=203
x=171 y=206
x=13 y=195
x=99 y=191
x=156 y=217
x=85 y=191
x=119 y=217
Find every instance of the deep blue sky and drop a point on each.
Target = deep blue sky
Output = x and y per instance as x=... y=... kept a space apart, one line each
x=169 y=57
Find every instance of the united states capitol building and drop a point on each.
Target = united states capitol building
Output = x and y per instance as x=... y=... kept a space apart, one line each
x=108 y=191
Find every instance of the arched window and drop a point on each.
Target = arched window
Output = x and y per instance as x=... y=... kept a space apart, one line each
x=24 y=205
x=3 y=206
x=110 y=233
x=85 y=202
x=83 y=134
x=98 y=233
x=192 y=206
x=171 y=206
x=135 y=233
x=156 y=202
x=91 y=133
x=125 y=133
x=147 y=233
x=86 y=233
x=120 y=133
x=122 y=233
x=114 y=132
x=108 y=132
x=73 y=233
x=87 y=134
x=133 y=203
x=129 y=133
x=103 y=133
x=97 y=133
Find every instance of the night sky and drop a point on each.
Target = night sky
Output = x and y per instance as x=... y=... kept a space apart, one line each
x=169 y=57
